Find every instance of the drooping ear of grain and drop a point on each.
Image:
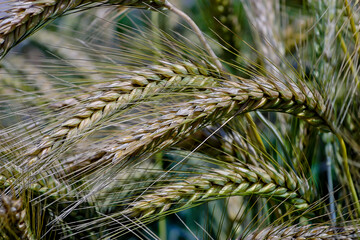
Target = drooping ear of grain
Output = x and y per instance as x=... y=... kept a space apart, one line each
x=234 y=180
x=173 y=194
x=24 y=17
x=111 y=98
x=227 y=143
x=221 y=102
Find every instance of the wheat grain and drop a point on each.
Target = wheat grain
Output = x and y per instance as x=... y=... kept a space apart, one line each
x=233 y=180
x=178 y=122
x=306 y=232
x=236 y=179
x=26 y=16
x=118 y=95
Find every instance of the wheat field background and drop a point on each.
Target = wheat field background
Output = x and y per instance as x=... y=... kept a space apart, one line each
x=169 y=119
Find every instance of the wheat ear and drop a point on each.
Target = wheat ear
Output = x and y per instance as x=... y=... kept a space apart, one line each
x=13 y=219
x=46 y=187
x=26 y=16
x=262 y=14
x=233 y=180
x=111 y=98
x=306 y=232
x=178 y=122
x=222 y=18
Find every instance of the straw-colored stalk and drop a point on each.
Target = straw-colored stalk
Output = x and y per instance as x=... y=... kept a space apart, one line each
x=26 y=16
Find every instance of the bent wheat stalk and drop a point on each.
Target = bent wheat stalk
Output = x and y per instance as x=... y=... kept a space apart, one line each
x=236 y=179
x=306 y=232
x=111 y=98
x=180 y=121
x=26 y=16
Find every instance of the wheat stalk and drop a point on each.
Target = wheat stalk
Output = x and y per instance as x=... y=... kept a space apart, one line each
x=178 y=122
x=111 y=98
x=306 y=232
x=236 y=179
x=26 y=16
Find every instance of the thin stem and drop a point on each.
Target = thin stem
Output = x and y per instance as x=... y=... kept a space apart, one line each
x=162 y=228
x=349 y=60
x=352 y=23
x=276 y=133
x=348 y=174
x=254 y=130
